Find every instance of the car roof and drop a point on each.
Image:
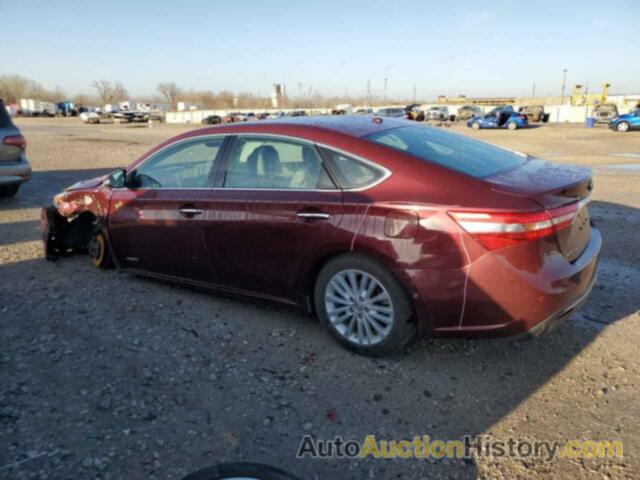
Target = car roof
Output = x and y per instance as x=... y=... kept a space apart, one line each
x=324 y=126
x=352 y=125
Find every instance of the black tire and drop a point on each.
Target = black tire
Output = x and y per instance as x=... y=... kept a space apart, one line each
x=512 y=126
x=240 y=470
x=475 y=125
x=99 y=251
x=403 y=327
x=9 y=191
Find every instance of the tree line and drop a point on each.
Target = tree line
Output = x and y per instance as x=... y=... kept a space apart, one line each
x=15 y=87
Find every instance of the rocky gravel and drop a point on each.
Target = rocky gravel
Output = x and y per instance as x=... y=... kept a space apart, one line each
x=105 y=375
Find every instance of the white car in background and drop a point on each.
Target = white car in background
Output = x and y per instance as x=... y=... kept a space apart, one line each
x=439 y=112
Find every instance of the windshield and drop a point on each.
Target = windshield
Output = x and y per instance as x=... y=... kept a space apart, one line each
x=456 y=152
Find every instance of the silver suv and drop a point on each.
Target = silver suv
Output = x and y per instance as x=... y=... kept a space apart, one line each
x=14 y=166
x=437 y=113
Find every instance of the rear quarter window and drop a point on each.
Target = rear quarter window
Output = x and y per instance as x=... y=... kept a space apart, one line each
x=5 y=119
x=351 y=173
x=457 y=152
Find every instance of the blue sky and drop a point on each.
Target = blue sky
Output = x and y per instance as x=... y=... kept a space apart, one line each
x=335 y=47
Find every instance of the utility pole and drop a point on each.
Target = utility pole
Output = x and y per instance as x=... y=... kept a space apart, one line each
x=368 y=92
x=564 y=85
x=533 y=90
x=414 y=94
x=385 y=90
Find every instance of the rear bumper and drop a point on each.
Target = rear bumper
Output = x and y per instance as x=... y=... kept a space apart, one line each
x=14 y=173
x=508 y=295
x=556 y=318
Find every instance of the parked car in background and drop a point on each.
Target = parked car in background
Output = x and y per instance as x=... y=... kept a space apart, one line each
x=534 y=113
x=391 y=228
x=90 y=117
x=500 y=117
x=212 y=120
x=126 y=116
x=14 y=166
x=626 y=122
x=605 y=112
x=439 y=112
x=415 y=112
x=234 y=117
x=393 y=112
x=467 y=111
x=363 y=111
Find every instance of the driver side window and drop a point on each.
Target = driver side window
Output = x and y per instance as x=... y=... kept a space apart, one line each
x=187 y=165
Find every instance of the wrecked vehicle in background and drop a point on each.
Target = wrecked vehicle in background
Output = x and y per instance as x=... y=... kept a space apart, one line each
x=605 y=112
x=626 y=122
x=392 y=112
x=467 y=111
x=414 y=112
x=90 y=117
x=440 y=113
x=212 y=120
x=499 y=117
x=534 y=113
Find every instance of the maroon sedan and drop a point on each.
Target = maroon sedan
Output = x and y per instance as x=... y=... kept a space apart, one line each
x=383 y=227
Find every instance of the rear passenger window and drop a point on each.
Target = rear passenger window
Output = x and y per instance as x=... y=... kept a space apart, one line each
x=268 y=163
x=351 y=173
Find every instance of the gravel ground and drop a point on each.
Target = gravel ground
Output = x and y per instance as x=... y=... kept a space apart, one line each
x=106 y=375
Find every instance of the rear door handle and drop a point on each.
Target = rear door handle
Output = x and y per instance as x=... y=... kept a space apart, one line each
x=313 y=215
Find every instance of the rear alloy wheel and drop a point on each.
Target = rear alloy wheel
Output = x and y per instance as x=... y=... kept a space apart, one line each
x=9 y=191
x=363 y=305
x=99 y=251
x=622 y=127
x=512 y=126
x=475 y=125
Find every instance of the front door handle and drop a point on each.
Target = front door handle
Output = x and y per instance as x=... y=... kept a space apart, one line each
x=190 y=212
x=313 y=215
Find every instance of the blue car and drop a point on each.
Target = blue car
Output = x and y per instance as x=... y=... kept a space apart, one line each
x=501 y=117
x=626 y=122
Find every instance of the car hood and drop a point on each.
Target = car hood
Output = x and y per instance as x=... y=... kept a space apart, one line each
x=87 y=184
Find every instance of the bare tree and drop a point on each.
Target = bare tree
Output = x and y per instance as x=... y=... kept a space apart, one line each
x=104 y=90
x=82 y=99
x=170 y=91
x=225 y=99
x=14 y=87
x=120 y=93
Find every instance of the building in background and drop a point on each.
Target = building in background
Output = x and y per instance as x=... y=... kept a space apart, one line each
x=277 y=94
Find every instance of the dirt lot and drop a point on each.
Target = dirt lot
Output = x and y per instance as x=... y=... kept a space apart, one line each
x=106 y=375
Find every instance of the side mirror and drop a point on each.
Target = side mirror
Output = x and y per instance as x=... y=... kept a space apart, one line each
x=116 y=179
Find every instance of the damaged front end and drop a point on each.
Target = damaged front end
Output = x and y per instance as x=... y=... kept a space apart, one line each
x=76 y=216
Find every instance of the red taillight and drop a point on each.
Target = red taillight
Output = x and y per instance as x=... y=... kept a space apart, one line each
x=16 y=141
x=496 y=230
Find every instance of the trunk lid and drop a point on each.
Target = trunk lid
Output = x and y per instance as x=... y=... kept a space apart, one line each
x=553 y=186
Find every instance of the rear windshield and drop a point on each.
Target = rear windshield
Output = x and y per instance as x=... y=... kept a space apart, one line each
x=5 y=119
x=456 y=152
